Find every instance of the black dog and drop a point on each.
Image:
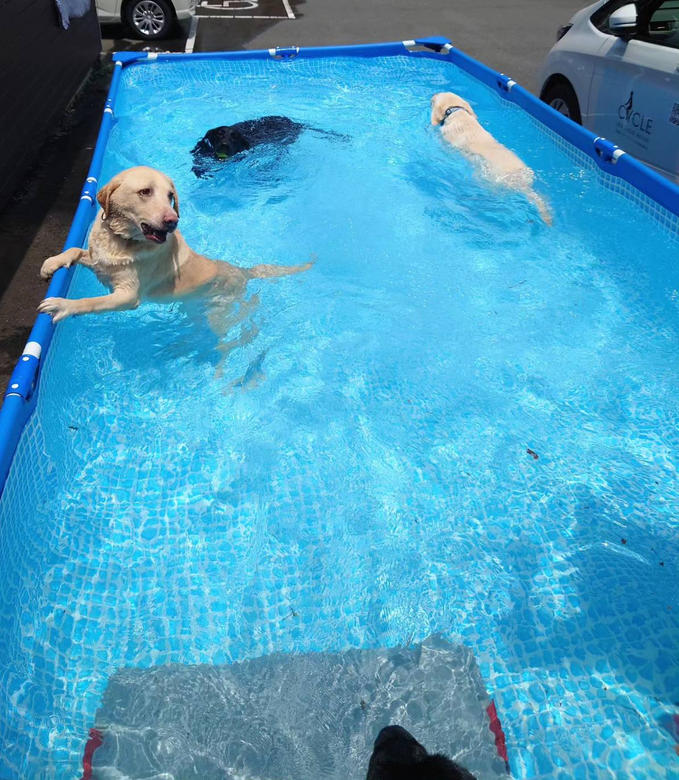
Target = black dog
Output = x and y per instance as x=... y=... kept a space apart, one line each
x=223 y=143
x=397 y=755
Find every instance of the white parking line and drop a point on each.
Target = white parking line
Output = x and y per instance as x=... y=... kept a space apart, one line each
x=252 y=5
x=240 y=16
x=191 y=40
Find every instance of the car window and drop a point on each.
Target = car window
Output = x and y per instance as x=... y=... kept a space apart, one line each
x=660 y=24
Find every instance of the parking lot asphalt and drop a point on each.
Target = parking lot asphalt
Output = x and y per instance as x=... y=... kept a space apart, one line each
x=511 y=36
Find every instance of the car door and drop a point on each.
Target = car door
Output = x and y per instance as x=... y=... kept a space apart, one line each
x=108 y=9
x=634 y=97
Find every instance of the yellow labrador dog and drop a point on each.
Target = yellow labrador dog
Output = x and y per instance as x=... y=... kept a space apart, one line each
x=136 y=251
x=461 y=127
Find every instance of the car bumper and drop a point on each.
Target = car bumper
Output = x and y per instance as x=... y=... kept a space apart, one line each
x=186 y=10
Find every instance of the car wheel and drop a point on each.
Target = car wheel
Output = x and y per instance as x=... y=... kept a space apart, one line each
x=561 y=97
x=149 y=19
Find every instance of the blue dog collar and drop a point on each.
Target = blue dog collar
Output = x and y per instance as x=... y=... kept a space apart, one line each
x=452 y=110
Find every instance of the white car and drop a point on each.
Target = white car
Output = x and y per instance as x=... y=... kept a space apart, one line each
x=149 y=19
x=615 y=69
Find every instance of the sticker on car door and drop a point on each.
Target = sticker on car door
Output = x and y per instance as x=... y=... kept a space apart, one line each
x=633 y=122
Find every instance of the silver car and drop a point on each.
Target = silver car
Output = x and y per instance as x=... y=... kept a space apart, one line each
x=149 y=19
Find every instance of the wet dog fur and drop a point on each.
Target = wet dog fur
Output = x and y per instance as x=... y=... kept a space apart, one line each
x=136 y=251
x=397 y=755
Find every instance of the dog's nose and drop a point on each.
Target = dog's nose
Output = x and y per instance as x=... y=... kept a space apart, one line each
x=170 y=224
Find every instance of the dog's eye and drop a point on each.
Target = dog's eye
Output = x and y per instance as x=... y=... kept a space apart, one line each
x=170 y=196
x=144 y=193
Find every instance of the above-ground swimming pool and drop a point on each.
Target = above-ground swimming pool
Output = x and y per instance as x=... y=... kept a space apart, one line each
x=459 y=421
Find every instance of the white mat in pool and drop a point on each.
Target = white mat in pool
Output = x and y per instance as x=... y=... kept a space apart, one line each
x=294 y=716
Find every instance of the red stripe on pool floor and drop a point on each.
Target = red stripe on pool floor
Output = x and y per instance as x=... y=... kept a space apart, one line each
x=496 y=728
x=93 y=743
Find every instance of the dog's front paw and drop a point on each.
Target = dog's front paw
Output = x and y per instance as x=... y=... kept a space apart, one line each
x=51 y=265
x=58 y=308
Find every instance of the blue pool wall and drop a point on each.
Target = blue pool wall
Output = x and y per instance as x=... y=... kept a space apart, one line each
x=621 y=172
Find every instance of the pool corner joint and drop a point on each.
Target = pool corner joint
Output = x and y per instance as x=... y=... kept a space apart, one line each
x=435 y=43
x=122 y=58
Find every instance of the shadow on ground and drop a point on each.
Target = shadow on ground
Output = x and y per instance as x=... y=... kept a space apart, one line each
x=36 y=221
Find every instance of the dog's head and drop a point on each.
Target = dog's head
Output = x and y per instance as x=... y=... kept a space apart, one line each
x=222 y=143
x=442 y=101
x=397 y=755
x=140 y=204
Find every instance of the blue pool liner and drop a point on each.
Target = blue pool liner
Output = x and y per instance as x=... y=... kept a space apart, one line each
x=20 y=396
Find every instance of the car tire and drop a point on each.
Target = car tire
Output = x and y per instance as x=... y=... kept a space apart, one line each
x=562 y=98
x=149 y=19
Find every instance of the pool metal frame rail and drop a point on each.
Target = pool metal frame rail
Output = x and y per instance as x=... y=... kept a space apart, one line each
x=20 y=396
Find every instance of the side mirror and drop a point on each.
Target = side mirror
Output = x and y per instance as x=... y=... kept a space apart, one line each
x=623 y=22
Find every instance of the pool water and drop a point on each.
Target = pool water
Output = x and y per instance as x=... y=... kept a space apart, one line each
x=459 y=420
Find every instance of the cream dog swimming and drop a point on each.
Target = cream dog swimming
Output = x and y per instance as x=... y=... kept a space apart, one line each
x=461 y=128
x=136 y=251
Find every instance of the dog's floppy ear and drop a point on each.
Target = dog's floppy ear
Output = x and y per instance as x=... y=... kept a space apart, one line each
x=104 y=195
x=241 y=140
x=436 y=110
x=175 y=198
x=467 y=105
x=235 y=142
